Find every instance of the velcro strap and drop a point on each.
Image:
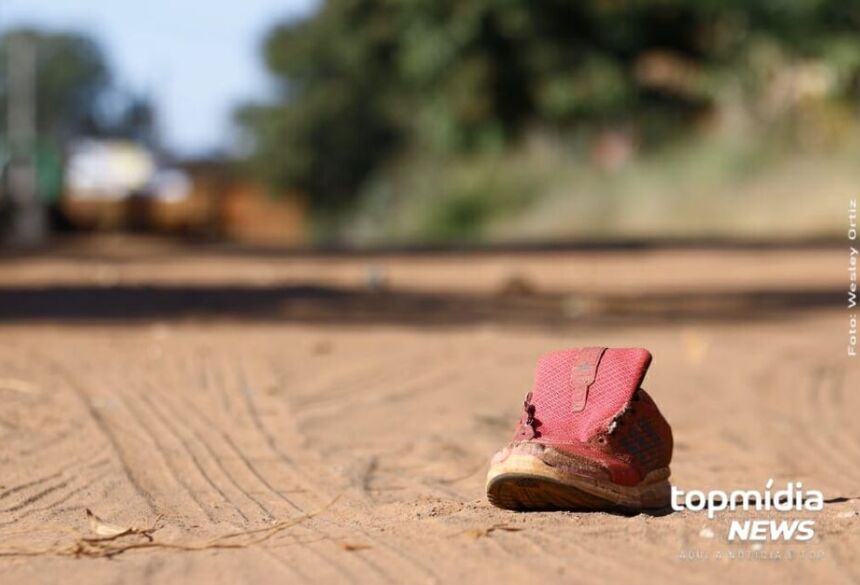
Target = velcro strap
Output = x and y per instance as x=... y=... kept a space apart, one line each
x=583 y=374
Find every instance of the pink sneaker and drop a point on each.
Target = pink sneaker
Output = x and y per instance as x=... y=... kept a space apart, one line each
x=589 y=437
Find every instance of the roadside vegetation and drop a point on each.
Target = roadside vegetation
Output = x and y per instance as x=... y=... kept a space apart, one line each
x=451 y=121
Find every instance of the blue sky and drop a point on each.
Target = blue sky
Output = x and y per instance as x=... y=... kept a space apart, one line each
x=196 y=58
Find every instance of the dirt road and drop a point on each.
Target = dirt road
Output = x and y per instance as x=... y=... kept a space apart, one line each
x=347 y=415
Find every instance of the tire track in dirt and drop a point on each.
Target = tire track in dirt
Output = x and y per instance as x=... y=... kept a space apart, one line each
x=253 y=412
x=187 y=413
x=200 y=453
x=345 y=377
x=252 y=469
x=103 y=426
x=258 y=477
x=163 y=454
x=192 y=457
x=32 y=470
x=312 y=467
x=224 y=422
x=20 y=487
x=213 y=378
x=201 y=431
x=63 y=499
x=36 y=497
x=208 y=425
x=254 y=415
x=47 y=491
x=268 y=515
x=66 y=445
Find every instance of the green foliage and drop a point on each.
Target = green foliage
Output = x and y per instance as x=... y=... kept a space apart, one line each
x=73 y=81
x=467 y=199
x=740 y=183
x=450 y=199
x=70 y=74
x=365 y=83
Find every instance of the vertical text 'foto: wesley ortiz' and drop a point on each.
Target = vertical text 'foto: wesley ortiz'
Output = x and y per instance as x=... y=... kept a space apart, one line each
x=852 y=277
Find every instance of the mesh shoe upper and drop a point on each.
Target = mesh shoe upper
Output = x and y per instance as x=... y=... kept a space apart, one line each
x=588 y=401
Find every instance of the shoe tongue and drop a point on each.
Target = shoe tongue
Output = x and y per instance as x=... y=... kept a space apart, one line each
x=583 y=374
x=595 y=380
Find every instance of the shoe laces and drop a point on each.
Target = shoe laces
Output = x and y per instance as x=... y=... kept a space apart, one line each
x=630 y=410
x=531 y=421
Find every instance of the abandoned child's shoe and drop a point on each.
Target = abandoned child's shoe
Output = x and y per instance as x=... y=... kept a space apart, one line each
x=589 y=437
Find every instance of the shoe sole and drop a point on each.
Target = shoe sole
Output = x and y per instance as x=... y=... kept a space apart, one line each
x=526 y=482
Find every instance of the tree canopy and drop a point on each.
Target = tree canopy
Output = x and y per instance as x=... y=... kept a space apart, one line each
x=363 y=81
x=75 y=91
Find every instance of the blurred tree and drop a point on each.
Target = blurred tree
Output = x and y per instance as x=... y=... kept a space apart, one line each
x=338 y=119
x=72 y=81
x=363 y=81
x=134 y=117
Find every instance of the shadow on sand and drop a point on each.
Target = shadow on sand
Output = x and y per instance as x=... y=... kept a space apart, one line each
x=319 y=304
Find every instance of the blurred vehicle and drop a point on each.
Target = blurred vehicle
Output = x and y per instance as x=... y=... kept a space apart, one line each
x=110 y=184
x=107 y=170
x=119 y=184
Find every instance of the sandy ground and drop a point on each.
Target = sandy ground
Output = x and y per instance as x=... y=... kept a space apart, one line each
x=210 y=393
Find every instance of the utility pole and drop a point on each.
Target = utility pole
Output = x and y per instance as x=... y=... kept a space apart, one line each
x=29 y=222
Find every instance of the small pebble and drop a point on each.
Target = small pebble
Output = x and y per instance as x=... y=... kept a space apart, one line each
x=706 y=533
